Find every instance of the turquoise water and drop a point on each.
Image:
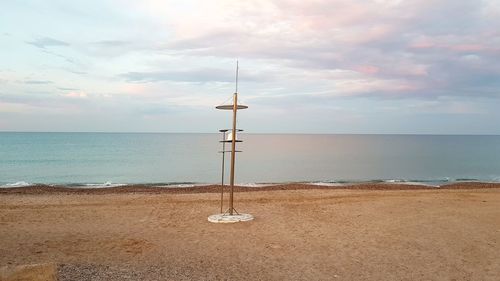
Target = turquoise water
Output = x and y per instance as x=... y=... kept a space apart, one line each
x=125 y=158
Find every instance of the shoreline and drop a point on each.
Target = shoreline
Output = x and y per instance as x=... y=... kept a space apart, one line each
x=212 y=188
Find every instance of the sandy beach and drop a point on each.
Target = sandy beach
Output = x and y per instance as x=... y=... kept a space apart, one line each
x=363 y=232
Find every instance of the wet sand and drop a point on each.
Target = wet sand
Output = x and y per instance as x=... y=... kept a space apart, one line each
x=362 y=232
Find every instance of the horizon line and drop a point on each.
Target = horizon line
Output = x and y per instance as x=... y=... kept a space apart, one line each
x=255 y=133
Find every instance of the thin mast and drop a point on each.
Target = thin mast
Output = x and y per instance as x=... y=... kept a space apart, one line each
x=237 y=70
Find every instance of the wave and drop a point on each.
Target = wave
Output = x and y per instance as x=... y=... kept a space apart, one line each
x=332 y=183
x=101 y=185
x=16 y=184
x=178 y=184
x=425 y=182
x=254 y=184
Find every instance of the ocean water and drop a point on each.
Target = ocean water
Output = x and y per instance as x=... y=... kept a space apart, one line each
x=108 y=159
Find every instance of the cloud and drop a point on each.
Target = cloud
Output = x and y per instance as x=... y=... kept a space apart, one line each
x=155 y=109
x=115 y=48
x=67 y=89
x=364 y=55
x=38 y=82
x=45 y=42
x=203 y=75
x=112 y=43
x=76 y=71
x=410 y=44
x=76 y=95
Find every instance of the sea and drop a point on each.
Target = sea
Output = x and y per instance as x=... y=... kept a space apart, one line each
x=99 y=160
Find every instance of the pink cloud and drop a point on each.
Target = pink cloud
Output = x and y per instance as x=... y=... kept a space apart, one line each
x=76 y=95
x=417 y=70
x=422 y=43
x=367 y=69
x=452 y=43
x=468 y=47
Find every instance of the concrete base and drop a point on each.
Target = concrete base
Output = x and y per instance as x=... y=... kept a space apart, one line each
x=226 y=218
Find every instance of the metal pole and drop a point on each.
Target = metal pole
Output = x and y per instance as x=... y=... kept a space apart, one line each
x=233 y=153
x=237 y=70
x=222 y=181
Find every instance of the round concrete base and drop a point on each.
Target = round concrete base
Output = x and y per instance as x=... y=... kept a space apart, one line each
x=226 y=218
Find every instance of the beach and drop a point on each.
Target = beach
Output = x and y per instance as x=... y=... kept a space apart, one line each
x=300 y=232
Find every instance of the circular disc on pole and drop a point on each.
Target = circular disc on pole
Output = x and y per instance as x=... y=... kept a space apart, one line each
x=230 y=106
x=225 y=130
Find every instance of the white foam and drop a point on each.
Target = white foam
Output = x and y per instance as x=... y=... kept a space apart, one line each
x=16 y=184
x=394 y=181
x=253 y=184
x=101 y=185
x=431 y=183
x=181 y=185
x=326 y=183
x=420 y=183
x=390 y=181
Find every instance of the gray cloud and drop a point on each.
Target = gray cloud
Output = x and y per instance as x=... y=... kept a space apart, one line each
x=67 y=89
x=45 y=100
x=112 y=43
x=116 y=48
x=195 y=76
x=205 y=75
x=76 y=71
x=65 y=58
x=44 y=42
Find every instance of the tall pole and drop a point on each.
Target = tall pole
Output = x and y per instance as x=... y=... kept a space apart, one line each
x=233 y=152
x=231 y=215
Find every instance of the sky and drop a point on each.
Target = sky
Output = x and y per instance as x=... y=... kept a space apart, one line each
x=319 y=66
